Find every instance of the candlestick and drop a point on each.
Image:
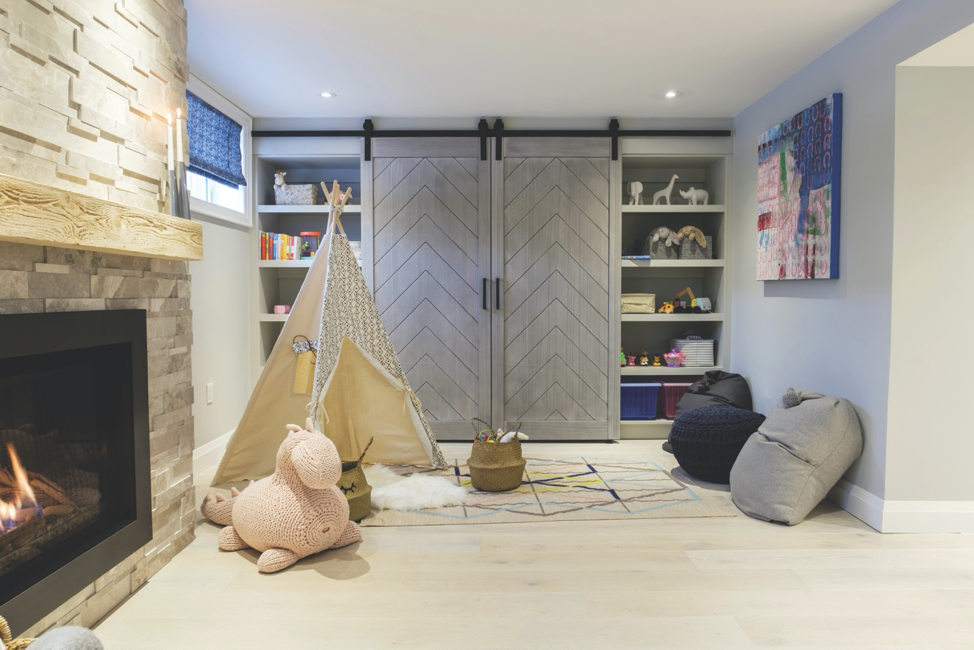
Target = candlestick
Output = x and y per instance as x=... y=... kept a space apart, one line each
x=179 y=137
x=181 y=166
x=174 y=202
x=171 y=151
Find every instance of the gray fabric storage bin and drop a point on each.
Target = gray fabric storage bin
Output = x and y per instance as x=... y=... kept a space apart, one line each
x=691 y=250
x=658 y=249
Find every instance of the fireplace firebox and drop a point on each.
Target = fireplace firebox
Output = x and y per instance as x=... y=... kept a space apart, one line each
x=74 y=454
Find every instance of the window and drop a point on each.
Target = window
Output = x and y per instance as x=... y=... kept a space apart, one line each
x=201 y=187
x=219 y=155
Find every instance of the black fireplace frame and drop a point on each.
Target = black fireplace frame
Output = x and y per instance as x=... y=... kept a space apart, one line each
x=63 y=331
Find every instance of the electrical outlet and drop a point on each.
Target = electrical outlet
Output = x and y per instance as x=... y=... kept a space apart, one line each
x=209 y=393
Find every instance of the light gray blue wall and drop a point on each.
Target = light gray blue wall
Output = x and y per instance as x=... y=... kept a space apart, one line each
x=221 y=321
x=833 y=336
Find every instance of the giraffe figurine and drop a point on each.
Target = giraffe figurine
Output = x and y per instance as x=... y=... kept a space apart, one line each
x=665 y=192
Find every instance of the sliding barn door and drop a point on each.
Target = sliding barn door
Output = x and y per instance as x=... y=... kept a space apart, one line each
x=551 y=253
x=430 y=233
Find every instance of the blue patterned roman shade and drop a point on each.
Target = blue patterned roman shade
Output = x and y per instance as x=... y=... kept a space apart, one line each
x=214 y=144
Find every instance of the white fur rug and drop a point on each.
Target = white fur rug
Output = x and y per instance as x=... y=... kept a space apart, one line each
x=390 y=491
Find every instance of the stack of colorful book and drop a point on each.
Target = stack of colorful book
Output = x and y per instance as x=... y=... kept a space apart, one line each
x=277 y=246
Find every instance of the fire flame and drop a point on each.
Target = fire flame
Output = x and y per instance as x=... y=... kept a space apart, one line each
x=23 y=484
x=8 y=511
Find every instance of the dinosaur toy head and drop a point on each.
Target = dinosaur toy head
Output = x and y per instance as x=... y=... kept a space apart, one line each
x=312 y=455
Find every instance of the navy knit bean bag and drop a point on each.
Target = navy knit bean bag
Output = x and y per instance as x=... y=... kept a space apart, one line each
x=707 y=440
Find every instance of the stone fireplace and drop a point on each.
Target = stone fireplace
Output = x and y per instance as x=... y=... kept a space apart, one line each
x=83 y=103
x=49 y=280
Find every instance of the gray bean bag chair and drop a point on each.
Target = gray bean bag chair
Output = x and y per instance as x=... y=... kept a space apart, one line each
x=68 y=638
x=798 y=454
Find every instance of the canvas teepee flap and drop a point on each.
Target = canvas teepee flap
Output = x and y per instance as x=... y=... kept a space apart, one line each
x=362 y=402
x=334 y=305
x=349 y=312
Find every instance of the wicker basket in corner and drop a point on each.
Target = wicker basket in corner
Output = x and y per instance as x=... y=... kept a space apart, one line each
x=356 y=488
x=496 y=467
x=8 y=642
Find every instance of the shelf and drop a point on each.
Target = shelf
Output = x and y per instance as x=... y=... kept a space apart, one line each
x=285 y=264
x=658 y=422
x=645 y=429
x=663 y=370
x=304 y=209
x=674 y=209
x=673 y=264
x=272 y=318
x=671 y=318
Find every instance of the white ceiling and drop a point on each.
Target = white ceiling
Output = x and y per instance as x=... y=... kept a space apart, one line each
x=524 y=58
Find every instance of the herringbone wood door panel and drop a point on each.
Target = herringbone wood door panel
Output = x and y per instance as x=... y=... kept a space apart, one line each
x=430 y=261
x=556 y=290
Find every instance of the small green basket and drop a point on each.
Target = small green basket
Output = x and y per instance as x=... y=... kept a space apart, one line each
x=356 y=488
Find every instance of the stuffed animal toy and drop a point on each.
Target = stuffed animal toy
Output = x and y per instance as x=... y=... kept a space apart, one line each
x=665 y=235
x=693 y=233
x=667 y=308
x=295 y=512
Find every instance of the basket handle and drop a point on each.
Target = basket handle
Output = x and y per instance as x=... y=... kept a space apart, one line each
x=476 y=430
x=364 y=451
x=5 y=635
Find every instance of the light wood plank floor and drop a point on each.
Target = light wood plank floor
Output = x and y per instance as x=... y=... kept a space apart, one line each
x=657 y=583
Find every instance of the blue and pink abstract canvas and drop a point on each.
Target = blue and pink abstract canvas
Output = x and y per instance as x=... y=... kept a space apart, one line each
x=799 y=176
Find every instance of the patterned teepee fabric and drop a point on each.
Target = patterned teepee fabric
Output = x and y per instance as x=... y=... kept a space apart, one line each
x=349 y=311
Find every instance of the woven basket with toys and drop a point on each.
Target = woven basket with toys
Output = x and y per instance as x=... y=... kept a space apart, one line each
x=495 y=462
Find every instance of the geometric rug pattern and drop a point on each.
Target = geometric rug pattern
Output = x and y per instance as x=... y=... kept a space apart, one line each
x=575 y=488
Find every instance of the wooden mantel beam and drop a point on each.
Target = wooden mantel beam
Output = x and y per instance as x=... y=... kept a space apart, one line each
x=33 y=213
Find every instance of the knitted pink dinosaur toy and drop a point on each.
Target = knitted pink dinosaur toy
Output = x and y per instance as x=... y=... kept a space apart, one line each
x=295 y=512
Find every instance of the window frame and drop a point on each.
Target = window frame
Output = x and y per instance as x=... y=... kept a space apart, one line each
x=231 y=110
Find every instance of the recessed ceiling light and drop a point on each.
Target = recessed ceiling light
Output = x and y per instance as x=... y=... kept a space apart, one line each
x=328 y=95
x=672 y=94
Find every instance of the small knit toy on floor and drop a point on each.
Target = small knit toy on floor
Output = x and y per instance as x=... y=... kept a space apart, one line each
x=295 y=512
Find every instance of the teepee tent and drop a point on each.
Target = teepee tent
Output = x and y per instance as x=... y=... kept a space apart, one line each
x=335 y=358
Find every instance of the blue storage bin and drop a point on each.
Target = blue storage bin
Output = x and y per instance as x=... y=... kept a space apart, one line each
x=639 y=401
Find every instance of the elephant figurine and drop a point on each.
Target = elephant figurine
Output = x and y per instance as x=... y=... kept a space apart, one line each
x=635 y=193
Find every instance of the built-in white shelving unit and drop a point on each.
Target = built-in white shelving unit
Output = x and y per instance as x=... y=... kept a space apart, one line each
x=670 y=209
x=672 y=264
x=304 y=209
x=647 y=162
x=277 y=282
x=663 y=371
x=671 y=318
x=284 y=264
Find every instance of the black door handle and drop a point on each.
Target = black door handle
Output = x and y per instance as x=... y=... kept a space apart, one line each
x=486 y=294
x=497 y=299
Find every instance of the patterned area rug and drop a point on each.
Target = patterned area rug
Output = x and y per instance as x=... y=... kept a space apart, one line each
x=576 y=488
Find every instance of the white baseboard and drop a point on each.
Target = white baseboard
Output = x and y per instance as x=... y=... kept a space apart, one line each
x=207 y=455
x=904 y=516
x=861 y=504
x=928 y=517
